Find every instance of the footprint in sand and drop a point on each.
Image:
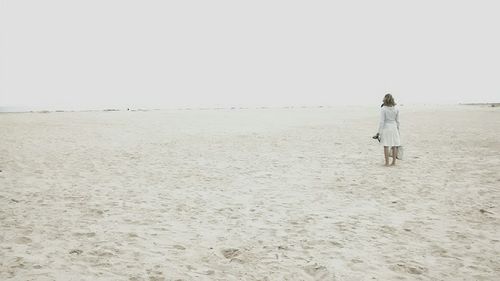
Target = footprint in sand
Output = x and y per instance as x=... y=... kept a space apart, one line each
x=179 y=247
x=105 y=252
x=409 y=268
x=133 y=235
x=76 y=252
x=155 y=275
x=84 y=234
x=23 y=240
x=319 y=272
x=336 y=244
x=230 y=253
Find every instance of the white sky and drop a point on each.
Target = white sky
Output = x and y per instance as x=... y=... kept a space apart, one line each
x=101 y=53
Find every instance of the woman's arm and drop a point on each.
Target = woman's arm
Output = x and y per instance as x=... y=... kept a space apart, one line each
x=382 y=120
x=397 y=118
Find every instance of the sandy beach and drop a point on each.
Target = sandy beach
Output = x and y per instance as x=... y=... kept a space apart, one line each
x=249 y=194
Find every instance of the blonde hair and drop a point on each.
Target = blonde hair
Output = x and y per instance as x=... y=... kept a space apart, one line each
x=389 y=100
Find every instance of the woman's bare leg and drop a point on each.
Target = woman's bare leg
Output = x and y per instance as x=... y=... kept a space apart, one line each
x=394 y=155
x=386 y=155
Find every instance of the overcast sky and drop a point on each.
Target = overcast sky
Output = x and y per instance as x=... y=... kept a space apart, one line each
x=102 y=53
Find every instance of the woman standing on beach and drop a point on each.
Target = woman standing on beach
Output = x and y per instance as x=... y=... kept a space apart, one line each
x=388 y=130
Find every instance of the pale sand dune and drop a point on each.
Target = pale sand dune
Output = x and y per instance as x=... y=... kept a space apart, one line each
x=269 y=194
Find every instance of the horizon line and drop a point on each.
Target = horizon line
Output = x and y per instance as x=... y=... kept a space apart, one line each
x=42 y=109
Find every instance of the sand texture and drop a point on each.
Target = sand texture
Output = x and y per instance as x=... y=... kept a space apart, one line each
x=249 y=194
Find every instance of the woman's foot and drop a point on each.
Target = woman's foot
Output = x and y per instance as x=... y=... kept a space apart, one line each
x=393 y=164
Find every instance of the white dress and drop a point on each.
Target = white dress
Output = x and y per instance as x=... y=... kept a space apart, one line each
x=389 y=126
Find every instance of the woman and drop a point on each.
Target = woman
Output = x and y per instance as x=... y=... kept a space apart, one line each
x=388 y=130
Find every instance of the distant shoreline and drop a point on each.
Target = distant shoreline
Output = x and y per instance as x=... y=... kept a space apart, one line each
x=41 y=110
x=491 y=104
x=20 y=110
